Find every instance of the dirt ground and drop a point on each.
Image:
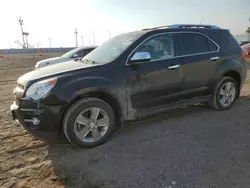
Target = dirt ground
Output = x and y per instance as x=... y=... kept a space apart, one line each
x=193 y=147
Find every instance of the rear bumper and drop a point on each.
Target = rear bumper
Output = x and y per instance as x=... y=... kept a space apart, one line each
x=43 y=122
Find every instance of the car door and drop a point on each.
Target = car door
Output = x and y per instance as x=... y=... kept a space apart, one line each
x=198 y=56
x=154 y=83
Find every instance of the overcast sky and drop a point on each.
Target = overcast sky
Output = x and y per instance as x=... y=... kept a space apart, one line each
x=57 y=19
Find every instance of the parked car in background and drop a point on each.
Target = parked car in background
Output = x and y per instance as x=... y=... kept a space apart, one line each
x=244 y=42
x=74 y=54
x=246 y=48
x=131 y=76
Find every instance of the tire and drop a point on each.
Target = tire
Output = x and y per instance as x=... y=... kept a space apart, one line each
x=214 y=102
x=70 y=124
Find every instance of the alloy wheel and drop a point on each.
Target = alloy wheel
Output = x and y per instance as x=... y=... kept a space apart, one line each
x=91 y=125
x=227 y=94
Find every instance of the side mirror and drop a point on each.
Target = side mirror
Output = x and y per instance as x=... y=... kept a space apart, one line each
x=75 y=56
x=140 y=57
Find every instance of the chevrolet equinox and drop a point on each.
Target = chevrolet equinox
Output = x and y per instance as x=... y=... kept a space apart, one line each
x=131 y=76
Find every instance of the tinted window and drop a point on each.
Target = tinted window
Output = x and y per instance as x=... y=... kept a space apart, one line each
x=159 y=47
x=192 y=43
x=212 y=46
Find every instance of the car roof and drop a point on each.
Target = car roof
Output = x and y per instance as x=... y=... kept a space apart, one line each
x=86 y=47
x=204 y=29
x=182 y=26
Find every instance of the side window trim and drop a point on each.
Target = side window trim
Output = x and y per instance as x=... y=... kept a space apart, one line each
x=176 y=40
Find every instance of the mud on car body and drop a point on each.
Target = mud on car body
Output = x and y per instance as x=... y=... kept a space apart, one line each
x=132 y=75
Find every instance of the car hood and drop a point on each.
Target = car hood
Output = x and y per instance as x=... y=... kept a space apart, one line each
x=52 y=70
x=50 y=61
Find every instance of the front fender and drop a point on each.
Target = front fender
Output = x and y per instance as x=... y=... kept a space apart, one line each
x=73 y=89
x=80 y=86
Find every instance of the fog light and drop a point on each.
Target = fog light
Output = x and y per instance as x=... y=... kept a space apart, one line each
x=35 y=121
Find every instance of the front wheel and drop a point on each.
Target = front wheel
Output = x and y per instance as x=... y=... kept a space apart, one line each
x=224 y=94
x=89 y=122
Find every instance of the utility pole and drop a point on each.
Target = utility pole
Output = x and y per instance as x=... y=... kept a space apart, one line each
x=82 y=40
x=49 y=42
x=94 y=37
x=89 y=41
x=21 y=24
x=27 y=44
x=76 y=37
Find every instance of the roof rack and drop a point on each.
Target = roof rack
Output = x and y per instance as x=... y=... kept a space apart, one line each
x=194 y=26
x=176 y=26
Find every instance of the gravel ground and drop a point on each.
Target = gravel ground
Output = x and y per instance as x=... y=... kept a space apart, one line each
x=188 y=148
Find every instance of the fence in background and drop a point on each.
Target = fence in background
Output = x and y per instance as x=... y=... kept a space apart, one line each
x=34 y=50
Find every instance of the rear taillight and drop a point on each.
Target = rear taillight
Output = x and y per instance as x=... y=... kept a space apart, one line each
x=244 y=55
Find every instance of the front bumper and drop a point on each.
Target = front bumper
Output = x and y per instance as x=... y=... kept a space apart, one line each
x=43 y=121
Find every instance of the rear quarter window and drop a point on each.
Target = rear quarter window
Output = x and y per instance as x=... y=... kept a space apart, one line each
x=195 y=43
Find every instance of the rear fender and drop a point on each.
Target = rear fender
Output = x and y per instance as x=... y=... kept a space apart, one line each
x=224 y=67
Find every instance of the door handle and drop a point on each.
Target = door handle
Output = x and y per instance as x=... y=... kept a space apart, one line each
x=172 y=67
x=214 y=58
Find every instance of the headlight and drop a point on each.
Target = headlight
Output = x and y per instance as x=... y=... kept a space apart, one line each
x=38 y=90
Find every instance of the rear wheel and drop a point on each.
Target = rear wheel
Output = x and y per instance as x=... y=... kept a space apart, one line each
x=89 y=122
x=225 y=94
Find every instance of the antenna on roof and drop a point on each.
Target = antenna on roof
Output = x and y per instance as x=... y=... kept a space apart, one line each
x=202 y=20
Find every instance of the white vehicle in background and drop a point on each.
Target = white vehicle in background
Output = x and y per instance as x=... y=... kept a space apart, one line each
x=74 y=54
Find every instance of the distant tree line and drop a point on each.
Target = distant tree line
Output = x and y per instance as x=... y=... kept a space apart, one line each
x=248 y=30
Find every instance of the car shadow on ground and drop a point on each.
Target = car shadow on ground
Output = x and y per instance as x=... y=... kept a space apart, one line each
x=190 y=147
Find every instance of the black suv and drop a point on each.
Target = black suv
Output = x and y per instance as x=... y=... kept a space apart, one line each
x=133 y=75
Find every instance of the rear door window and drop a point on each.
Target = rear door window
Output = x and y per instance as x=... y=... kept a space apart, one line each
x=194 y=43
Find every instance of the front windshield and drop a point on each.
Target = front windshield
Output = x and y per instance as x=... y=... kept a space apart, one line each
x=70 y=53
x=111 y=49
